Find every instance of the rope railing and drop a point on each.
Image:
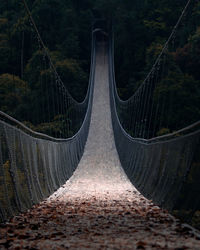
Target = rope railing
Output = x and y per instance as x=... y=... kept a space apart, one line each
x=166 y=168
x=33 y=165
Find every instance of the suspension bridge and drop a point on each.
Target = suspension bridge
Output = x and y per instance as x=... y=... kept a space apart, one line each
x=107 y=152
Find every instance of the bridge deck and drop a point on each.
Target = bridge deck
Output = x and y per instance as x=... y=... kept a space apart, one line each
x=99 y=169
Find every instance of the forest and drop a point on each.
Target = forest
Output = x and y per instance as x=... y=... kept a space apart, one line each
x=141 y=27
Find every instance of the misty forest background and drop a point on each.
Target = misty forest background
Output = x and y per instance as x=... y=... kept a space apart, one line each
x=141 y=27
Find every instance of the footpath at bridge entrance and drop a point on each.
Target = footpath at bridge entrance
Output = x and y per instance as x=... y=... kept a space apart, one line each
x=98 y=207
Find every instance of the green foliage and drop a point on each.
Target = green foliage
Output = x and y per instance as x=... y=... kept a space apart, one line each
x=73 y=77
x=143 y=26
x=54 y=128
x=182 y=96
x=33 y=68
x=188 y=56
x=152 y=53
x=163 y=131
x=13 y=95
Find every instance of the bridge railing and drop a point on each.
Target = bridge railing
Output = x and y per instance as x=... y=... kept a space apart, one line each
x=165 y=169
x=33 y=165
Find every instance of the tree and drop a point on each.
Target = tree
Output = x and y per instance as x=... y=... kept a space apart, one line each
x=14 y=96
